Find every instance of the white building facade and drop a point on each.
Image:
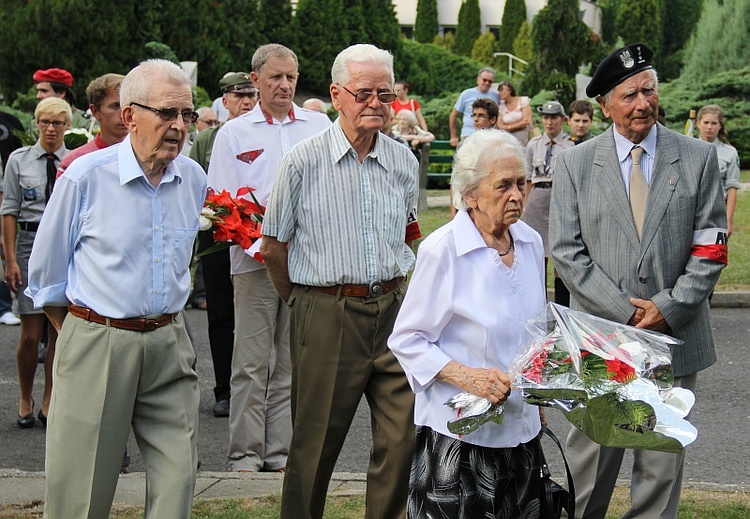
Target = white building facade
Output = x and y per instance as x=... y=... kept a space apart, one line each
x=491 y=12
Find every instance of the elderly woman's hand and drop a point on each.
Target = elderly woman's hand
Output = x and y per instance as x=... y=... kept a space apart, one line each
x=491 y=383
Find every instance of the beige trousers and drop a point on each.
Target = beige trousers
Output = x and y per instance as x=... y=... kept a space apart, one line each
x=339 y=353
x=656 y=480
x=107 y=380
x=260 y=419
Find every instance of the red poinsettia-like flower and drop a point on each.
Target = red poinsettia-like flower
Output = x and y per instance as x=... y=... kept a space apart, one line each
x=234 y=220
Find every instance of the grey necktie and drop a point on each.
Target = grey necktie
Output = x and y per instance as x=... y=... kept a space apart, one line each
x=638 y=190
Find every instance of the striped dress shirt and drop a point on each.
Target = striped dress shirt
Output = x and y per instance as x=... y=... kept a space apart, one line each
x=345 y=221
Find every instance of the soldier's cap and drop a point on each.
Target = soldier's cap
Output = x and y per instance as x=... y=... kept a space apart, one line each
x=239 y=83
x=619 y=66
x=552 y=108
x=54 y=75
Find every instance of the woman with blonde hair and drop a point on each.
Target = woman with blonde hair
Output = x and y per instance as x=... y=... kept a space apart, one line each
x=29 y=177
x=407 y=129
x=710 y=122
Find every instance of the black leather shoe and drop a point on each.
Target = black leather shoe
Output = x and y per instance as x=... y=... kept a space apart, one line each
x=42 y=419
x=26 y=422
x=221 y=408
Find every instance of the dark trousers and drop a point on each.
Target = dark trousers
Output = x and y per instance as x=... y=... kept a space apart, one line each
x=220 y=312
x=339 y=352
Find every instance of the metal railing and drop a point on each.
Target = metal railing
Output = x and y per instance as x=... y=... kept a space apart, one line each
x=511 y=59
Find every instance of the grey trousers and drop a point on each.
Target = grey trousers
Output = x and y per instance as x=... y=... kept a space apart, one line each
x=105 y=381
x=260 y=418
x=656 y=480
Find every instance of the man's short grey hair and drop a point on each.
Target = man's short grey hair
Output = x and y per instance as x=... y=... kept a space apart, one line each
x=203 y=110
x=359 y=53
x=313 y=103
x=136 y=87
x=607 y=98
x=486 y=69
x=475 y=157
x=271 y=50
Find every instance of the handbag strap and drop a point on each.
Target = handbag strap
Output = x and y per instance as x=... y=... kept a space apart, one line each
x=571 y=487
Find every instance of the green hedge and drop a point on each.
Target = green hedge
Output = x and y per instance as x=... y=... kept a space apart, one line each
x=730 y=90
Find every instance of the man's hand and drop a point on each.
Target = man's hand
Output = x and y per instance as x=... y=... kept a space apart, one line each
x=13 y=276
x=648 y=316
x=276 y=257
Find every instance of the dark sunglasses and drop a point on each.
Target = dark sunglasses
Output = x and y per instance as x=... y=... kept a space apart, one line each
x=364 y=96
x=170 y=114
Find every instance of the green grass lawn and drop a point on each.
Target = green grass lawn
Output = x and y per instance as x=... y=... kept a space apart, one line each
x=694 y=504
x=736 y=276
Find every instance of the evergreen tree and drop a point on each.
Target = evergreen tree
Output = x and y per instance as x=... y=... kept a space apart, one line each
x=469 y=27
x=447 y=42
x=320 y=21
x=640 y=20
x=522 y=45
x=275 y=20
x=609 y=19
x=484 y=48
x=678 y=22
x=513 y=17
x=719 y=43
x=561 y=42
x=426 y=26
x=381 y=26
x=355 y=21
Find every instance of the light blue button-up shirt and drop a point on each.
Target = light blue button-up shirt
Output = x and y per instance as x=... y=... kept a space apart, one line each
x=112 y=242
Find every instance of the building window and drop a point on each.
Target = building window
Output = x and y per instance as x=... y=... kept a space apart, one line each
x=407 y=31
x=494 y=29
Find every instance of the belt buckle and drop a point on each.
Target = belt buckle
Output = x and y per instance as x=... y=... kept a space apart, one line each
x=375 y=289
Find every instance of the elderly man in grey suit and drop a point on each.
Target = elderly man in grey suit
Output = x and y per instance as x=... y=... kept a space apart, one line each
x=638 y=233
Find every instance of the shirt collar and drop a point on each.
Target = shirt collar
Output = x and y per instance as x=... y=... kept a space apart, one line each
x=262 y=115
x=624 y=146
x=340 y=145
x=559 y=138
x=130 y=168
x=40 y=152
x=468 y=238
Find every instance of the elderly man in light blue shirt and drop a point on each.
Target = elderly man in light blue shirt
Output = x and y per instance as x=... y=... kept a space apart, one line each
x=114 y=249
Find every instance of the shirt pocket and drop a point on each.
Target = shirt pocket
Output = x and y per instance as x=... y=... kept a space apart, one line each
x=183 y=248
x=31 y=189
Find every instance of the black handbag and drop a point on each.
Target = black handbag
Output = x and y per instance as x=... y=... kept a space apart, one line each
x=553 y=497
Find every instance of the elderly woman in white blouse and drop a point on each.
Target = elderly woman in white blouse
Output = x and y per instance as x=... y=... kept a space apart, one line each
x=477 y=280
x=407 y=129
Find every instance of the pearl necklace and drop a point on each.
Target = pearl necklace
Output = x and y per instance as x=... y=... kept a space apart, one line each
x=510 y=247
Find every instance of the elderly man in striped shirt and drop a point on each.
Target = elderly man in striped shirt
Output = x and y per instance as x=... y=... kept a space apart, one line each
x=344 y=202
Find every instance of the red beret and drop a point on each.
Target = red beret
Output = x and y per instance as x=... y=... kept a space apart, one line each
x=54 y=75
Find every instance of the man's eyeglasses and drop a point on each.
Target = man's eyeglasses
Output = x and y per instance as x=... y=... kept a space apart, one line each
x=364 y=96
x=57 y=124
x=479 y=116
x=210 y=122
x=170 y=114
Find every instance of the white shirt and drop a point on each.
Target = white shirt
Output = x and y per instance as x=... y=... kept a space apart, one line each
x=465 y=304
x=247 y=151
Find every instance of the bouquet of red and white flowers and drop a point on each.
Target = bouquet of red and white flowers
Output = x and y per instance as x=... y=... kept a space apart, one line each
x=234 y=220
x=612 y=381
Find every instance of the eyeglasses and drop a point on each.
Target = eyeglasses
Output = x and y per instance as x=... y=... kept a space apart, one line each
x=364 y=96
x=479 y=116
x=57 y=124
x=210 y=122
x=170 y=114
x=486 y=80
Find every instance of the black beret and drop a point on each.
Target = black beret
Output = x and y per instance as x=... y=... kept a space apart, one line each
x=619 y=66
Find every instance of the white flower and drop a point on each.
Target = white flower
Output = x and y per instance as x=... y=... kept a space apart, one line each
x=205 y=223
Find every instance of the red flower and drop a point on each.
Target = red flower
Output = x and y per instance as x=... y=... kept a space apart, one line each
x=620 y=371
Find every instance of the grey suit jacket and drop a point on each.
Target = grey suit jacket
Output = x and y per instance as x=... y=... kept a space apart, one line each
x=596 y=248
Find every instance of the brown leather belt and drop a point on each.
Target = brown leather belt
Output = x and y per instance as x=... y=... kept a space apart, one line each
x=136 y=324
x=374 y=289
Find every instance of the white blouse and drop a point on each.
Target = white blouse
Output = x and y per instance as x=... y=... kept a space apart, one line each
x=465 y=304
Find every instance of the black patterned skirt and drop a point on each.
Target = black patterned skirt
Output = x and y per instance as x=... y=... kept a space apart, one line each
x=451 y=479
